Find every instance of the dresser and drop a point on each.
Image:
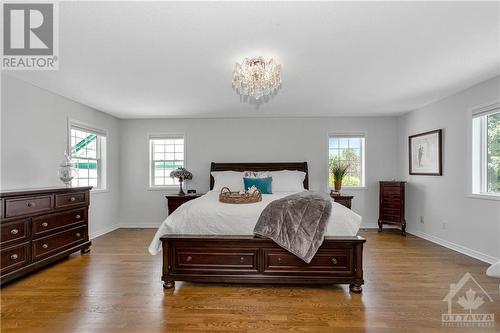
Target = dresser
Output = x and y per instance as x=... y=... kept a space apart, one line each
x=175 y=200
x=392 y=204
x=41 y=226
x=344 y=200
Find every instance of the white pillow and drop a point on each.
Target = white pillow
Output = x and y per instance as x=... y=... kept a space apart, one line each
x=230 y=179
x=256 y=174
x=288 y=180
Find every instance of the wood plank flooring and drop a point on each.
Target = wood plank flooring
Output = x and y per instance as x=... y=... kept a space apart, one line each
x=117 y=288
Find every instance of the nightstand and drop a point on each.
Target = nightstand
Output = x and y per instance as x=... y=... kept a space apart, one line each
x=175 y=200
x=344 y=200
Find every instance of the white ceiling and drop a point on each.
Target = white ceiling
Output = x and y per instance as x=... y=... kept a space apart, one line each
x=170 y=59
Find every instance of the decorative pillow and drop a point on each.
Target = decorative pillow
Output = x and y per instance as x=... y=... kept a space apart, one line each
x=265 y=185
x=288 y=180
x=230 y=179
x=255 y=174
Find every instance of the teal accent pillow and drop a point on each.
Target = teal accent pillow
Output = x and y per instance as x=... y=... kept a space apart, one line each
x=265 y=185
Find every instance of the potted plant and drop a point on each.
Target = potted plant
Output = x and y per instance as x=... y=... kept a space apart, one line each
x=181 y=174
x=338 y=169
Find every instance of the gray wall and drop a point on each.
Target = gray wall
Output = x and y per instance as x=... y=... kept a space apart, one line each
x=34 y=137
x=34 y=125
x=252 y=140
x=471 y=225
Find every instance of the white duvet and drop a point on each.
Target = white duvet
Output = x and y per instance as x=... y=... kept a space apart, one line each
x=206 y=215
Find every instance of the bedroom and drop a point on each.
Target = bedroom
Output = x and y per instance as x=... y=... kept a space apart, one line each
x=131 y=82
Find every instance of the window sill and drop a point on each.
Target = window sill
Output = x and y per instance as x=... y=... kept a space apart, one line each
x=170 y=188
x=484 y=196
x=354 y=188
x=98 y=191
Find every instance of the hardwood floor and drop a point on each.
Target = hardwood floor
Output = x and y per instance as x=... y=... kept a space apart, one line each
x=117 y=288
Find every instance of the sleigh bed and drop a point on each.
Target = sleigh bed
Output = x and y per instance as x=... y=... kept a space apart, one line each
x=247 y=259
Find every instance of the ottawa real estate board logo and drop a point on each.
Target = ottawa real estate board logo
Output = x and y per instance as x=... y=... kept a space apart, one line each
x=470 y=296
x=30 y=36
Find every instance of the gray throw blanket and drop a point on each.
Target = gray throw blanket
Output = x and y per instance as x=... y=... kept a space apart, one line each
x=297 y=223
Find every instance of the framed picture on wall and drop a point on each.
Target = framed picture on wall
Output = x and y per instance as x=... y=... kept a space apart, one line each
x=425 y=152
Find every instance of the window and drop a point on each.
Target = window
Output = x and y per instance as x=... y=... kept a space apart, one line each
x=166 y=154
x=486 y=150
x=348 y=149
x=88 y=152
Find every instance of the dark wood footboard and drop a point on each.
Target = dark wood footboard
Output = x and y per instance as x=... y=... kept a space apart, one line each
x=246 y=259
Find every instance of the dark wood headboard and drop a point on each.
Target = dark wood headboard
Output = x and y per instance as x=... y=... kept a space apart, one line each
x=299 y=166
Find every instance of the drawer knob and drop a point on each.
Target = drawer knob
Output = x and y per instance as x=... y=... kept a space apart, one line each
x=279 y=260
x=77 y=216
x=334 y=261
x=189 y=258
x=45 y=246
x=242 y=260
x=31 y=204
x=45 y=224
x=14 y=256
x=78 y=234
x=72 y=199
x=14 y=231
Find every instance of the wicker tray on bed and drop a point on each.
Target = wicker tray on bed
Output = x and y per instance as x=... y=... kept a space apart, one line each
x=227 y=196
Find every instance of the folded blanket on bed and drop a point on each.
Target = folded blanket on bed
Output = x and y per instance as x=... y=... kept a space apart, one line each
x=297 y=223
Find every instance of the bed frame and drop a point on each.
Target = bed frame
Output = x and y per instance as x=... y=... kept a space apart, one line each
x=248 y=259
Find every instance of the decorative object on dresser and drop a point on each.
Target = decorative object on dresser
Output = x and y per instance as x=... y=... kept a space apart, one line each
x=250 y=259
x=67 y=170
x=181 y=174
x=41 y=226
x=344 y=200
x=392 y=204
x=175 y=200
x=425 y=153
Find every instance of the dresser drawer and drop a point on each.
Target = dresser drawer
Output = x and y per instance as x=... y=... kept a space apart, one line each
x=14 y=232
x=324 y=262
x=28 y=205
x=71 y=199
x=213 y=260
x=392 y=205
x=391 y=218
x=46 y=246
x=15 y=257
x=43 y=224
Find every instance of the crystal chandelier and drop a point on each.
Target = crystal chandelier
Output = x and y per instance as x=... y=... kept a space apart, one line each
x=256 y=77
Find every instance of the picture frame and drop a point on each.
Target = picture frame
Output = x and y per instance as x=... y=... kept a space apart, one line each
x=425 y=153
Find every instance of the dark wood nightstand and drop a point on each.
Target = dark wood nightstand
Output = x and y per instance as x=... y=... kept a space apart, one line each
x=344 y=200
x=175 y=200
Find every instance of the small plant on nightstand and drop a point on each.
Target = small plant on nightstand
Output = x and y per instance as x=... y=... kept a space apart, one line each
x=338 y=169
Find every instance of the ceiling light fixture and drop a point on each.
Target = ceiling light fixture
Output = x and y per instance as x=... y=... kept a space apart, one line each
x=256 y=77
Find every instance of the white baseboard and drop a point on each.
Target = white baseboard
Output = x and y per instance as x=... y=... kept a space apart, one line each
x=140 y=225
x=104 y=231
x=456 y=247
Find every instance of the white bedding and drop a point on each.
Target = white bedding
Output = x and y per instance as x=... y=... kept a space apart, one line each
x=207 y=216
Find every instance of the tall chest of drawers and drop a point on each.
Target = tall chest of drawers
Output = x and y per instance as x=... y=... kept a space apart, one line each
x=41 y=226
x=392 y=204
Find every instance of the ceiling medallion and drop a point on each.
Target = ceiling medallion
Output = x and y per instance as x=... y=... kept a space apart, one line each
x=256 y=78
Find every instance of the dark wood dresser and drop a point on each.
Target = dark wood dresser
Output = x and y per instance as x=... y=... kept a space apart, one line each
x=41 y=226
x=392 y=204
x=344 y=200
x=175 y=200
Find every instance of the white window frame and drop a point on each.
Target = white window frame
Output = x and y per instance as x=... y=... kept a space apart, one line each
x=363 y=158
x=103 y=171
x=151 y=186
x=479 y=146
